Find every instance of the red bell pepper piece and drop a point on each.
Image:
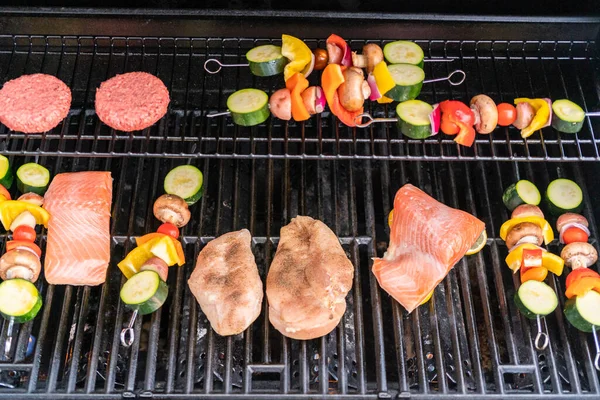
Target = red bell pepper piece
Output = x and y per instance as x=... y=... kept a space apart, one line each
x=13 y=244
x=583 y=285
x=532 y=258
x=343 y=46
x=458 y=118
x=580 y=273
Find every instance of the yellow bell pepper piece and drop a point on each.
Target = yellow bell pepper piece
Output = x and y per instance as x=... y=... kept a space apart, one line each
x=384 y=100
x=161 y=247
x=10 y=209
x=384 y=80
x=150 y=236
x=542 y=113
x=550 y=261
x=297 y=52
x=547 y=231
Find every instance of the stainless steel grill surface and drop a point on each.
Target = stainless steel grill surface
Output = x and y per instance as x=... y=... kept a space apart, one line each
x=470 y=341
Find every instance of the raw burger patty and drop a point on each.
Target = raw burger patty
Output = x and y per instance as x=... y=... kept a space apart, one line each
x=132 y=101
x=34 y=103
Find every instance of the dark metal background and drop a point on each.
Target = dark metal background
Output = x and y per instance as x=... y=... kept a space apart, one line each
x=468 y=341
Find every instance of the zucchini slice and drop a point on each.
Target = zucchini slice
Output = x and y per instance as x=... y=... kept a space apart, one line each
x=535 y=298
x=19 y=299
x=32 y=177
x=567 y=116
x=404 y=52
x=6 y=174
x=522 y=192
x=266 y=60
x=562 y=196
x=248 y=107
x=185 y=181
x=144 y=292
x=582 y=311
x=413 y=119
x=408 y=79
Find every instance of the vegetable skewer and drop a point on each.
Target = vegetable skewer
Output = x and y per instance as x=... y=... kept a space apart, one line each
x=146 y=266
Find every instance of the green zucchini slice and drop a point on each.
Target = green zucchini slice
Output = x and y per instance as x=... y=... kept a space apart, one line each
x=404 y=52
x=535 y=298
x=266 y=60
x=248 y=107
x=567 y=116
x=582 y=311
x=32 y=177
x=564 y=195
x=413 y=119
x=408 y=79
x=522 y=192
x=144 y=292
x=19 y=299
x=6 y=174
x=185 y=181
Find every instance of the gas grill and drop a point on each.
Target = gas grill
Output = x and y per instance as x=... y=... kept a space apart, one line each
x=470 y=341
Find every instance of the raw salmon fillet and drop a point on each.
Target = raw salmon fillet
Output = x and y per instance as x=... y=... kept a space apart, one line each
x=427 y=238
x=78 y=247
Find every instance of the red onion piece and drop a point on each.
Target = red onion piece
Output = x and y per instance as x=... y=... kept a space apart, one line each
x=435 y=118
x=375 y=94
x=549 y=122
x=309 y=68
x=347 y=59
x=520 y=242
x=320 y=100
x=572 y=225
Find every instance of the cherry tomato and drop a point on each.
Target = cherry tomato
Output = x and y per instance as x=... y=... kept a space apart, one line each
x=507 y=114
x=321 y=59
x=169 y=229
x=24 y=232
x=573 y=235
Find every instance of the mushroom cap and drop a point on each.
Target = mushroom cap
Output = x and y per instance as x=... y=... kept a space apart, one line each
x=569 y=218
x=488 y=113
x=173 y=209
x=527 y=210
x=374 y=55
x=521 y=230
x=579 y=255
x=32 y=198
x=20 y=258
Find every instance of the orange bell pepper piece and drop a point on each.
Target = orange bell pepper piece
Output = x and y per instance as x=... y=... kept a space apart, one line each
x=533 y=274
x=583 y=285
x=331 y=80
x=13 y=244
x=148 y=237
x=296 y=85
x=580 y=273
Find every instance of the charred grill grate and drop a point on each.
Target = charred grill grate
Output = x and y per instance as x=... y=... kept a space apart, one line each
x=502 y=69
x=470 y=341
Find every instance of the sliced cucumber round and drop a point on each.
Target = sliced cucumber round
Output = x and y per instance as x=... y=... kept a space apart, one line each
x=562 y=196
x=32 y=177
x=404 y=52
x=413 y=119
x=248 y=107
x=582 y=311
x=266 y=60
x=185 y=181
x=567 y=116
x=408 y=79
x=522 y=192
x=6 y=174
x=144 y=292
x=535 y=298
x=19 y=299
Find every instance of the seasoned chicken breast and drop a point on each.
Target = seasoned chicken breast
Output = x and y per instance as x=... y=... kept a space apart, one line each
x=226 y=283
x=308 y=280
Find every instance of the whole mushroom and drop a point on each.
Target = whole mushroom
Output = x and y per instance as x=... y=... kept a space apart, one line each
x=20 y=263
x=370 y=57
x=579 y=255
x=527 y=210
x=354 y=90
x=173 y=209
x=485 y=107
x=519 y=232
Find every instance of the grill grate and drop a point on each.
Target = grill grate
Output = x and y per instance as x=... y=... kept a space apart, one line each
x=502 y=69
x=469 y=341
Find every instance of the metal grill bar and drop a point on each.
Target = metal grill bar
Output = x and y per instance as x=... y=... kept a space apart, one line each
x=528 y=68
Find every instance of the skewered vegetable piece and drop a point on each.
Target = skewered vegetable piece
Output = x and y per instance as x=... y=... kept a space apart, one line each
x=32 y=177
x=173 y=209
x=266 y=60
x=248 y=107
x=582 y=311
x=562 y=196
x=535 y=298
x=579 y=255
x=507 y=114
x=280 y=104
x=19 y=300
x=185 y=181
x=371 y=56
x=408 y=79
x=404 y=52
x=567 y=117
x=20 y=263
x=144 y=292
x=522 y=192
x=485 y=107
x=413 y=119
x=6 y=174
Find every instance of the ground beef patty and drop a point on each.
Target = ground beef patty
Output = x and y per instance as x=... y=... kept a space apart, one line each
x=34 y=103
x=132 y=101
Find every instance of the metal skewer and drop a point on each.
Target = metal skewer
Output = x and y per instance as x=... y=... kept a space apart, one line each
x=127 y=334
x=220 y=65
x=371 y=120
x=9 y=336
x=597 y=342
x=438 y=59
x=541 y=339
x=449 y=78
x=219 y=114
x=593 y=114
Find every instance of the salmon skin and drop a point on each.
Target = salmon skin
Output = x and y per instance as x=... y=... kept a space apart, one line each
x=427 y=238
x=78 y=247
